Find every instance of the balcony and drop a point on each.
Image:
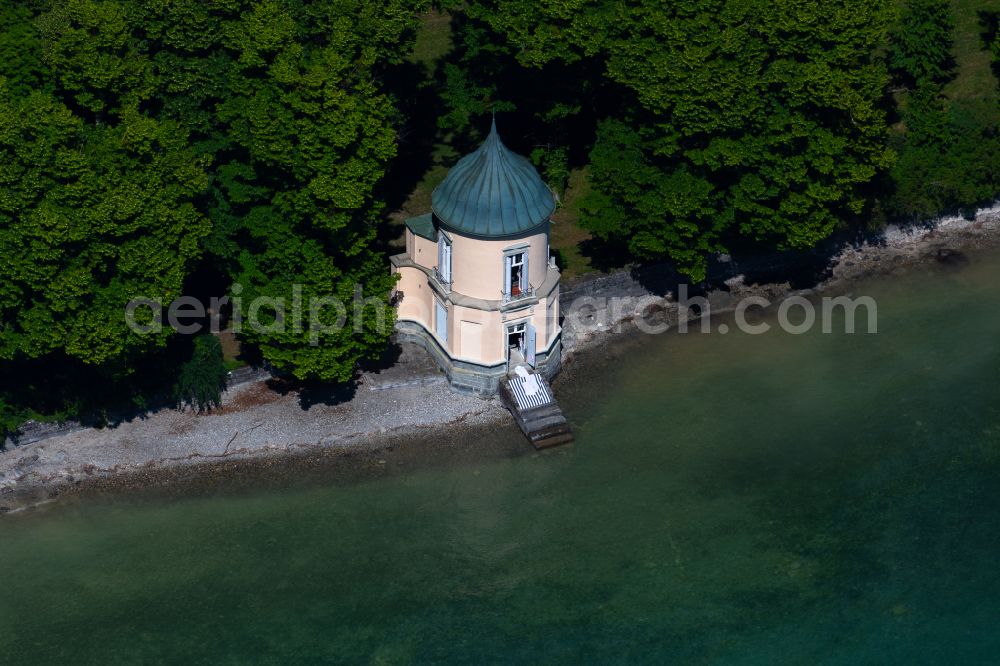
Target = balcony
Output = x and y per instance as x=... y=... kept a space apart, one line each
x=444 y=284
x=517 y=294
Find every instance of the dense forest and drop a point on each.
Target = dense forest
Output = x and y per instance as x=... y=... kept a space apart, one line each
x=154 y=148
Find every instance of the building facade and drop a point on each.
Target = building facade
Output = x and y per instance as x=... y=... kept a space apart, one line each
x=477 y=286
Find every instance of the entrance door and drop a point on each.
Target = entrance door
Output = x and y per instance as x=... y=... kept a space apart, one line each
x=515 y=342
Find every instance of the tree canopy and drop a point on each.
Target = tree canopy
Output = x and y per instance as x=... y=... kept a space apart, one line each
x=203 y=377
x=146 y=144
x=90 y=218
x=921 y=42
x=140 y=136
x=949 y=149
x=753 y=119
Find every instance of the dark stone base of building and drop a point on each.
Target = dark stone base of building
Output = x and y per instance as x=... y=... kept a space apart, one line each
x=483 y=380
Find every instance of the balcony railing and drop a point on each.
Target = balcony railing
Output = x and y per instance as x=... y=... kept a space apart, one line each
x=517 y=294
x=445 y=284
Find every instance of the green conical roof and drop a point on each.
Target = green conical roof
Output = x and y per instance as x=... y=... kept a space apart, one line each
x=492 y=193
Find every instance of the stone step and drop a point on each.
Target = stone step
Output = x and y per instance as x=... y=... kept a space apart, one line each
x=543 y=425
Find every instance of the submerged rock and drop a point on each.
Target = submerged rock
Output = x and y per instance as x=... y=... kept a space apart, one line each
x=949 y=257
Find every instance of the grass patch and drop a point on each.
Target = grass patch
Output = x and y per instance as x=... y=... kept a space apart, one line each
x=234 y=364
x=417 y=203
x=231 y=350
x=567 y=236
x=974 y=78
x=433 y=39
x=419 y=200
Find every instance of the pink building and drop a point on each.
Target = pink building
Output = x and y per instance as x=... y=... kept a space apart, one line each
x=477 y=286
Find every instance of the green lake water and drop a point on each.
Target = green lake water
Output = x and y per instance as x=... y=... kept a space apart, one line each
x=730 y=499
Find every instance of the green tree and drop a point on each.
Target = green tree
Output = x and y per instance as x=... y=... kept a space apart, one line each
x=473 y=77
x=949 y=156
x=141 y=139
x=313 y=133
x=283 y=96
x=548 y=111
x=90 y=218
x=949 y=152
x=21 y=50
x=757 y=119
x=202 y=378
x=98 y=65
x=921 y=42
x=10 y=420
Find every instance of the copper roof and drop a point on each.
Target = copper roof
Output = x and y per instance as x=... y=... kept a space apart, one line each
x=492 y=193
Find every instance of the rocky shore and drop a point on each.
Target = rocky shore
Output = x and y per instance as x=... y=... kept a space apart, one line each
x=606 y=299
x=258 y=419
x=263 y=420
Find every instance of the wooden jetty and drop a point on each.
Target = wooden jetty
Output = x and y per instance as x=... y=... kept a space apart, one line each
x=529 y=398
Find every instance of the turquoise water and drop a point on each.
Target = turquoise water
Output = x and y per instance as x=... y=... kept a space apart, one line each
x=730 y=499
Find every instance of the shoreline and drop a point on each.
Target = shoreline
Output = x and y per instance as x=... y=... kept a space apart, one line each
x=404 y=413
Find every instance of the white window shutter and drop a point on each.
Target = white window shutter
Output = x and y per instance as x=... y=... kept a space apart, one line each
x=441 y=325
x=530 y=344
x=506 y=274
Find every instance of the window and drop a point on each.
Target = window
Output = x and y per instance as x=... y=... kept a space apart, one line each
x=444 y=258
x=516 y=274
x=515 y=278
